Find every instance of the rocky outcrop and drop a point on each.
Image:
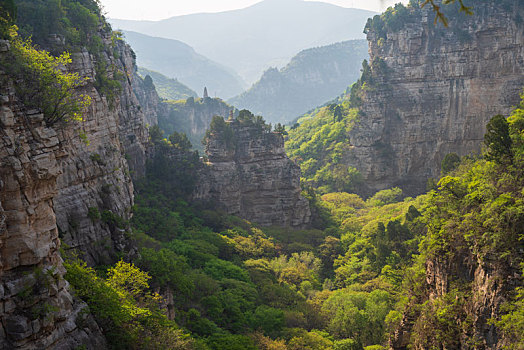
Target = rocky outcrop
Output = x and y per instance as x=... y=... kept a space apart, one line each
x=433 y=90
x=37 y=309
x=311 y=78
x=249 y=175
x=192 y=117
x=485 y=283
x=147 y=95
x=99 y=157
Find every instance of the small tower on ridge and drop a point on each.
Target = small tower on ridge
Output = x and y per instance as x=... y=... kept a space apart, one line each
x=205 y=92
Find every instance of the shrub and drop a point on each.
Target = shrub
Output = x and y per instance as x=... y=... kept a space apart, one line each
x=40 y=82
x=449 y=163
x=93 y=213
x=385 y=197
x=167 y=269
x=124 y=308
x=220 y=269
x=498 y=141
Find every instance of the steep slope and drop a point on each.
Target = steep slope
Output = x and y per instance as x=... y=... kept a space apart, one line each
x=248 y=174
x=96 y=176
x=175 y=59
x=167 y=88
x=266 y=34
x=65 y=181
x=38 y=310
x=427 y=92
x=312 y=77
x=436 y=88
x=464 y=292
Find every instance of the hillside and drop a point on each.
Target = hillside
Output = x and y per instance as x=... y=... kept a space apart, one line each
x=263 y=35
x=312 y=77
x=167 y=88
x=175 y=59
x=406 y=96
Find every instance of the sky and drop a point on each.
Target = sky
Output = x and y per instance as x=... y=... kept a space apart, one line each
x=161 y=9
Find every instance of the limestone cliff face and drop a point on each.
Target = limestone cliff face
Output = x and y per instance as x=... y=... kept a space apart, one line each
x=434 y=90
x=488 y=282
x=69 y=182
x=37 y=309
x=150 y=103
x=96 y=172
x=253 y=178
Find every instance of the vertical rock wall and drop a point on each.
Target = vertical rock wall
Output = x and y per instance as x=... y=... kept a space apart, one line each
x=433 y=91
x=99 y=157
x=253 y=178
x=37 y=309
x=68 y=183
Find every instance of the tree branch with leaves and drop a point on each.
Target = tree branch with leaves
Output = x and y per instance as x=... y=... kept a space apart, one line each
x=42 y=81
x=439 y=16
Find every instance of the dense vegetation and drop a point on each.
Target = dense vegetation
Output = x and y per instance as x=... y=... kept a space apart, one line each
x=76 y=20
x=237 y=286
x=476 y=213
x=68 y=26
x=41 y=82
x=319 y=144
x=346 y=284
x=343 y=286
x=319 y=140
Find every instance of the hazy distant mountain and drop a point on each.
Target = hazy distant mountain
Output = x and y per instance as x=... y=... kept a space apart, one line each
x=263 y=35
x=167 y=88
x=311 y=78
x=175 y=59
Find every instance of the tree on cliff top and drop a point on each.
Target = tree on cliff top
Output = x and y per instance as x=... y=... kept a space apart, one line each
x=42 y=83
x=498 y=141
x=7 y=17
x=220 y=129
x=439 y=16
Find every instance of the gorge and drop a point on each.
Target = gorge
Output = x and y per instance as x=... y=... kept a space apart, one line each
x=116 y=233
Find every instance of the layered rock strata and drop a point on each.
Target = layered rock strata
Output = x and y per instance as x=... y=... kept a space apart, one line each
x=433 y=90
x=37 y=309
x=251 y=176
x=99 y=157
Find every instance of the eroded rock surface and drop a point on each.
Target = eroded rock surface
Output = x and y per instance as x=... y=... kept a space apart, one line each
x=37 y=308
x=253 y=178
x=99 y=157
x=433 y=91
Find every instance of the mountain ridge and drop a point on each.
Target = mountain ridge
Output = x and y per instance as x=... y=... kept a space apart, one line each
x=312 y=77
x=269 y=35
x=176 y=59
